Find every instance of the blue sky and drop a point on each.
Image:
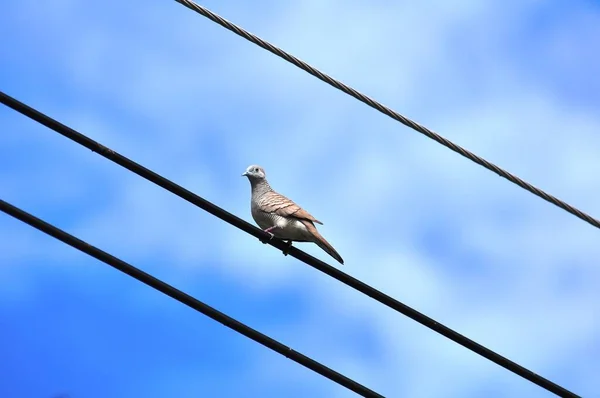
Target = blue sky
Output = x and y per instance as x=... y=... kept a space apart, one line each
x=513 y=81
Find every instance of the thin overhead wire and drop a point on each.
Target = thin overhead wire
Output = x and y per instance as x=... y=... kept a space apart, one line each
x=279 y=244
x=186 y=299
x=387 y=111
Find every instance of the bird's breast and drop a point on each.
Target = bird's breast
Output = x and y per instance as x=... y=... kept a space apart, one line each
x=262 y=219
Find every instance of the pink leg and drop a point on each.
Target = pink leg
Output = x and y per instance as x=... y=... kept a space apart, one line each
x=268 y=230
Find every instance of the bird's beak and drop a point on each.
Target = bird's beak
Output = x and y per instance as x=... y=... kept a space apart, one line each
x=245 y=174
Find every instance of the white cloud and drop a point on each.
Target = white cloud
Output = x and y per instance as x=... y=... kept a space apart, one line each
x=410 y=217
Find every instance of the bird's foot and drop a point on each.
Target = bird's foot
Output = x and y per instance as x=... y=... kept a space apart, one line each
x=268 y=230
x=286 y=251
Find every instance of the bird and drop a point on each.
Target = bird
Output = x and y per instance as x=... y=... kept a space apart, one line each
x=281 y=217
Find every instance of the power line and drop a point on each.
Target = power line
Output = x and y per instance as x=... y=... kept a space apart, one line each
x=186 y=299
x=279 y=244
x=387 y=111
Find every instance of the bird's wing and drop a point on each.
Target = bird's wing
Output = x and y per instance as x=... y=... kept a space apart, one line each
x=272 y=202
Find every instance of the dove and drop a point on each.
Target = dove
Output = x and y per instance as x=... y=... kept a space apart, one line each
x=280 y=216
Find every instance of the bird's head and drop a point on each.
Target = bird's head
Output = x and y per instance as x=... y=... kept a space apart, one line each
x=254 y=173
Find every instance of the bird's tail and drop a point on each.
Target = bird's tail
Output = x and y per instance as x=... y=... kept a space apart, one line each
x=322 y=243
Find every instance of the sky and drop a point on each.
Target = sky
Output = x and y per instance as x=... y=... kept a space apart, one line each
x=515 y=82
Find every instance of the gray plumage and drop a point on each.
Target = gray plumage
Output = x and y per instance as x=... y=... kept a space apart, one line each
x=280 y=216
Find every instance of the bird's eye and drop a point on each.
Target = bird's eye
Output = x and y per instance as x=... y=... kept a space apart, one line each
x=256 y=170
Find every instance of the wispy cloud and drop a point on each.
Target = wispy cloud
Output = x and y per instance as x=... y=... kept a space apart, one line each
x=512 y=81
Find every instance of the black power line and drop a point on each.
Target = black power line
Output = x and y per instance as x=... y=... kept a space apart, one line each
x=387 y=111
x=279 y=244
x=186 y=299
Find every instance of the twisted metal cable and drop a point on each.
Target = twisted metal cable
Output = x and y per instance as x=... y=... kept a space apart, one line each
x=387 y=111
x=279 y=244
x=186 y=299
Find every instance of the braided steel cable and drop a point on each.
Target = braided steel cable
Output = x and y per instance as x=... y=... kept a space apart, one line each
x=388 y=111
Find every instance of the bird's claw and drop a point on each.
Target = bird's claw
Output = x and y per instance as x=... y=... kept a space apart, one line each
x=270 y=238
